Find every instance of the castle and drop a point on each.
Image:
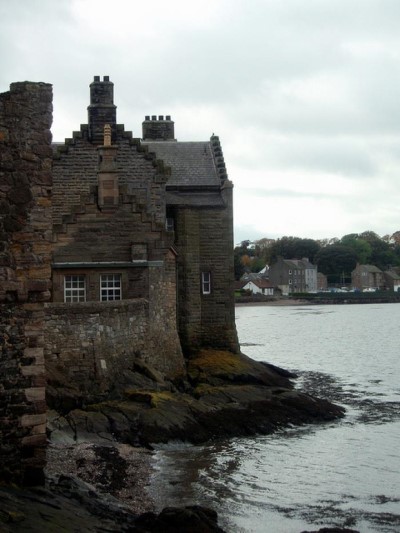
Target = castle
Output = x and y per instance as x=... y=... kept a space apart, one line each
x=113 y=249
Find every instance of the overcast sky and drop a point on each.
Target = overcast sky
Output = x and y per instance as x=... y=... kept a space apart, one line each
x=304 y=94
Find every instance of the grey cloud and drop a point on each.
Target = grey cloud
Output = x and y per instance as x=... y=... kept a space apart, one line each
x=243 y=69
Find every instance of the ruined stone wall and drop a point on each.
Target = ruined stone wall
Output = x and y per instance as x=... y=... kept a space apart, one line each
x=25 y=276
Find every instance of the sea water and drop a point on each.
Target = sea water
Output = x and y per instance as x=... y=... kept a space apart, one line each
x=344 y=473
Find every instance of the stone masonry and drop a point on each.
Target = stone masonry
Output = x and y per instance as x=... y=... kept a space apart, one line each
x=25 y=276
x=115 y=253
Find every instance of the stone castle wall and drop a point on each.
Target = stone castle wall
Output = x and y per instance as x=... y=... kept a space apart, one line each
x=89 y=347
x=205 y=243
x=165 y=352
x=25 y=276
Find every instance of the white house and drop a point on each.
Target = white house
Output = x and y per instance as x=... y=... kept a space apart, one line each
x=260 y=286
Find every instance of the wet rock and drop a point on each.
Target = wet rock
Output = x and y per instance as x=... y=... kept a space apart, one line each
x=70 y=505
x=195 y=519
x=225 y=394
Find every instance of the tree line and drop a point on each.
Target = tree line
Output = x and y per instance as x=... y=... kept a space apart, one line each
x=336 y=258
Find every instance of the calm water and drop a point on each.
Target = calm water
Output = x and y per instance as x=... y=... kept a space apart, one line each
x=345 y=473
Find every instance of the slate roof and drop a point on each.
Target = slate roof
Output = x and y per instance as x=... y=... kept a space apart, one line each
x=299 y=263
x=261 y=283
x=192 y=163
x=371 y=268
x=392 y=274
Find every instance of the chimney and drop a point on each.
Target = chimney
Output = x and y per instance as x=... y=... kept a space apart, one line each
x=101 y=110
x=158 y=130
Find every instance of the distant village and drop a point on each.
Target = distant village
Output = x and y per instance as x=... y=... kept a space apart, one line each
x=290 y=265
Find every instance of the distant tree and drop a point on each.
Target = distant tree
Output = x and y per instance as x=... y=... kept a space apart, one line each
x=395 y=238
x=382 y=254
x=361 y=247
x=239 y=252
x=257 y=264
x=243 y=258
x=264 y=243
x=250 y=257
x=336 y=262
x=246 y=261
x=292 y=248
x=327 y=241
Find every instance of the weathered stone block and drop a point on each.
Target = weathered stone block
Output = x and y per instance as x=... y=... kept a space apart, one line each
x=33 y=420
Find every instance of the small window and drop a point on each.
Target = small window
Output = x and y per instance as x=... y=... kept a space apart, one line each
x=206 y=282
x=169 y=224
x=110 y=287
x=74 y=289
x=290 y=272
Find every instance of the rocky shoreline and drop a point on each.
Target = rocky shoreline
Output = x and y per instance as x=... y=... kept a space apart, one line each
x=99 y=460
x=221 y=395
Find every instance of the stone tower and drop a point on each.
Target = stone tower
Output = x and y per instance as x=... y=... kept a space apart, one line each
x=25 y=276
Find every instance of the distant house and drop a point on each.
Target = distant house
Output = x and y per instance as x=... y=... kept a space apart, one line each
x=392 y=280
x=367 y=277
x=260 y=286
x=294 y=275
x=322 y=282
x=264 y=271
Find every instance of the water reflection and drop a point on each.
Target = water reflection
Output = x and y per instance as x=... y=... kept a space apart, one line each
x=343 y=473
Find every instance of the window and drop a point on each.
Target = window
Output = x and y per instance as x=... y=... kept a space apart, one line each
x=74 y=289
x=206 y=282
x=169 y=224
x=110 y=287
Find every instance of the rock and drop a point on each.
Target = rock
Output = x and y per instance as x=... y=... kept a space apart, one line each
x=217 y=366
x=69 y=504
x=195 y=519
x=229 y=395
x=72 y=505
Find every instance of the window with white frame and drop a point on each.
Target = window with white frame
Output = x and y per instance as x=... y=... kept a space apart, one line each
x=110 y=287
x=74 y=289
x=206 y=282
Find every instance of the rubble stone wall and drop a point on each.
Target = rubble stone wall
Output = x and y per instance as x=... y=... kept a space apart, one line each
x=89 y=346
